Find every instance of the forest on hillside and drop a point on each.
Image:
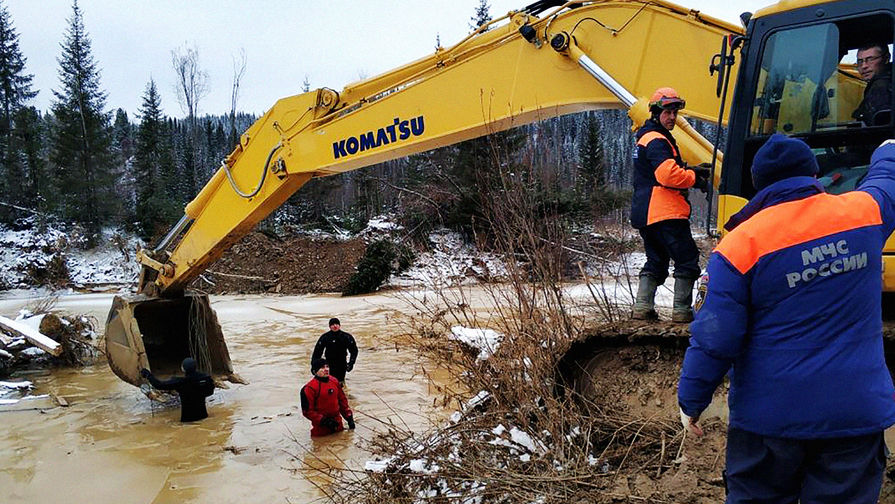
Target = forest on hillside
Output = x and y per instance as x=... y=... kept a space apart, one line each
x=87 y=163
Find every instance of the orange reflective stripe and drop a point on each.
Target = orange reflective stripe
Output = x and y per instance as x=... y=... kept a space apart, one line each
x=649 y=136
x=665 y=204
x=787 y=224
x=669 y=174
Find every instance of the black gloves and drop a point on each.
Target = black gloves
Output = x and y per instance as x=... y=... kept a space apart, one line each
x=702 y=169
x=701 y=183
x=330 y=423
x=350 y=420
x=145 y=373
x=703 y=172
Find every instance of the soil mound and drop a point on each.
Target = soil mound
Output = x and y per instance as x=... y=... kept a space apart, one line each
x=296 y=265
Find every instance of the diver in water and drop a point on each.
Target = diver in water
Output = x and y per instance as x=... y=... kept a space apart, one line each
x=193 y=388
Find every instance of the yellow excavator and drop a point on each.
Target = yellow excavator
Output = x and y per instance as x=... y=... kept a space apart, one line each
x=788 y=71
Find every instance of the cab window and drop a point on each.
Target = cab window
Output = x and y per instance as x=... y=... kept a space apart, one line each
x=811 y=85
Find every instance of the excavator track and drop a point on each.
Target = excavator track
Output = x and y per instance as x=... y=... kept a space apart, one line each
x=635 y=364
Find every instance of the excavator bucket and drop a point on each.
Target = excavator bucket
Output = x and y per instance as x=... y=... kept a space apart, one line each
x=158 y=333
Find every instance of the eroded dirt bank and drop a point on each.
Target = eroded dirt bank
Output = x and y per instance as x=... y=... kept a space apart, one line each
x=295 y=265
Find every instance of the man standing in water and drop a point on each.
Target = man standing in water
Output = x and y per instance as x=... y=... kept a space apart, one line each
x=334 y=345
x=323 y=402
x=193 y=388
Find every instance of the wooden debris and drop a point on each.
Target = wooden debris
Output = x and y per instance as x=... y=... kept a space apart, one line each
x=37 y=339
x=28 y=403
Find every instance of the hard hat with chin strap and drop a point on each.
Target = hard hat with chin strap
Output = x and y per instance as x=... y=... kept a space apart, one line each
x=666 y=98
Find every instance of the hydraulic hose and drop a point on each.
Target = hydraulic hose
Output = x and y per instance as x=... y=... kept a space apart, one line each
x=260 y=182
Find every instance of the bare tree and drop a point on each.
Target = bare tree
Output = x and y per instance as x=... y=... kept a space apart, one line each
x=306 y=84
x=191 y=87
x=192 y=81
x=239 y=70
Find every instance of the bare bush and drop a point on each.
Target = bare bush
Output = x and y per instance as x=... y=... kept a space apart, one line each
x=518 y=440
x=43 y=305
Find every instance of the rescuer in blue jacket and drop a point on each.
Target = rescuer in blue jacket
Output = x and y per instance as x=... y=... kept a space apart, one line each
x=793 y=312
x=660 y=210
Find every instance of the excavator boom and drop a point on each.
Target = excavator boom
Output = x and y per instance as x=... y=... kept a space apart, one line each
x=489 y=82
x=517 y=69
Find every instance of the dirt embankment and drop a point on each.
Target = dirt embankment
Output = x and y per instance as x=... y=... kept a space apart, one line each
x=297 y=265
x=631 y=382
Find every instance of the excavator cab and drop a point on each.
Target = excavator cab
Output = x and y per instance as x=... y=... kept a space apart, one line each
x=805 y=84
x=798 y=76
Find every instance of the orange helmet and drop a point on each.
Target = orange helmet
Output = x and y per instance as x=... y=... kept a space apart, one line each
x=666 y=98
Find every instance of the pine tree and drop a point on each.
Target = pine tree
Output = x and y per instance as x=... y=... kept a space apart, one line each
x=152 y=165
x=591 y=172
x=15 y=91
x=80 y=150
x=29 y=134
x=123 y=135
x=186 y=183
x=482 y=15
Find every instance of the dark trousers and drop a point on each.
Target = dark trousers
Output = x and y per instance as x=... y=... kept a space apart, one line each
x=767 y=470
x=338 y=372
x=669 y=240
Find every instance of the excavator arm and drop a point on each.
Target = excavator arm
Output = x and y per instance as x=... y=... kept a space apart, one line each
x=493 y=80
x=543 y=61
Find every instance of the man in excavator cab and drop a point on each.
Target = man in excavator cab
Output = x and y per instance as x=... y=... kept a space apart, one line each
x=875 y=67
x=660 y=210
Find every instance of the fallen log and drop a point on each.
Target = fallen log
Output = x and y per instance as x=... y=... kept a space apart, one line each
x=37 y=339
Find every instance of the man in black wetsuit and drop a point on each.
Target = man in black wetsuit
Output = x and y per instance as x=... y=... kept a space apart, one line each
x=193 y=388
x=335 y=345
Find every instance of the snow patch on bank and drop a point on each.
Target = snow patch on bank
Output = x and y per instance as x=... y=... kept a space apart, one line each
x=486 y=341
x=451 y=261
x=110 y=263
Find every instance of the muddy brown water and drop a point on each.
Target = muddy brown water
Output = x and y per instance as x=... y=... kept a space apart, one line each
x=112 y=445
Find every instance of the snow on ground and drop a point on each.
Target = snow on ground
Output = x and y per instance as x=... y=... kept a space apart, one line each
x=105 y=264
x=382 y=223
x=20 y=248
x=486 y=341
x=450 y=262
x=618 y=280
x=110 y=263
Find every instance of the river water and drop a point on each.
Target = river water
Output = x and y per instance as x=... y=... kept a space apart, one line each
x=112 y=445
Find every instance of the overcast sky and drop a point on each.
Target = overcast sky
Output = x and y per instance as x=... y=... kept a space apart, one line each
x=332 y=42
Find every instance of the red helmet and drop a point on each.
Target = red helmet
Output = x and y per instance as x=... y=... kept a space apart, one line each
x=666 y=98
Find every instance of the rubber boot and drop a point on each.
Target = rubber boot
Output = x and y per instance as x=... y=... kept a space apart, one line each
x=682 y=310
x=645 y=304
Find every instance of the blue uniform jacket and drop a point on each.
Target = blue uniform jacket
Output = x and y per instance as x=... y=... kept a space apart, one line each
x=792 y=311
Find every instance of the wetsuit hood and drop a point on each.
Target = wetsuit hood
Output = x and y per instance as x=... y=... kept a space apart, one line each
x=189 y=365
